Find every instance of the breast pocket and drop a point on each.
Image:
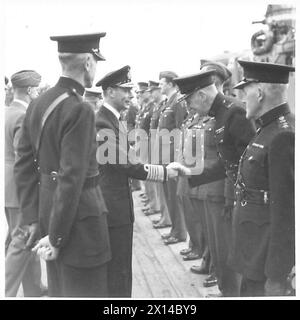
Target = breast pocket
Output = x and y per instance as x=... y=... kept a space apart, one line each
x=210 y=139
x=256 y=157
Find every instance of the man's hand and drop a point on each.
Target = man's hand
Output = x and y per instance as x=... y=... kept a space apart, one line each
x=172 y=173
x=181 y=169
x=45 y=250
x=33 y=234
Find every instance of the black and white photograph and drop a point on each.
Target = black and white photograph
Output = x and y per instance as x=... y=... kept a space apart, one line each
x=149 y=150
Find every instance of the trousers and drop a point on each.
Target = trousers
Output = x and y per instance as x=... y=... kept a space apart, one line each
x=22 y=266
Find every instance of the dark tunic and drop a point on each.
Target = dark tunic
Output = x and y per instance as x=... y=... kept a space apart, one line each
x=264 y=224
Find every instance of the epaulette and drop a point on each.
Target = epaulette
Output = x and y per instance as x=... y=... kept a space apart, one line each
x=73 y=92
x=228 y=104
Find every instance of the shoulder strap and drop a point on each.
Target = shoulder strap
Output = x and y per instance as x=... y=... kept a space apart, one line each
x=46 y=115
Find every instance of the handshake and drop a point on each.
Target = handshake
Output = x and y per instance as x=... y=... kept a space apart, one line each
x=175 y=168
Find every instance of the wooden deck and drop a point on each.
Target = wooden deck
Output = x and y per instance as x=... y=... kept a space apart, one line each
x=158 y=270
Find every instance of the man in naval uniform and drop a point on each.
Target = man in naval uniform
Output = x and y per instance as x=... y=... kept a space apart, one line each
x=116 y=166
x=264 y=219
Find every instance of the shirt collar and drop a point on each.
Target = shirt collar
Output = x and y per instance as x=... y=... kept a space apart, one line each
x=23 y=103
x=112 y=110
x=273 y=114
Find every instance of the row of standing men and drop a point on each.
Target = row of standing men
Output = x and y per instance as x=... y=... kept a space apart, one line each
x=244 y=222
x=203 y=212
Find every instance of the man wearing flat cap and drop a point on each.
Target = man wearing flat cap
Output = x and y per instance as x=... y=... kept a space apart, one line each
x=171 y=118
x=116 y=167
x=232 y=133
x=58 y=180
x=21 y=265
x=264 y=219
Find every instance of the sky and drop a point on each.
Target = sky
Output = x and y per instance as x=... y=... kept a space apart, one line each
x=150 y=36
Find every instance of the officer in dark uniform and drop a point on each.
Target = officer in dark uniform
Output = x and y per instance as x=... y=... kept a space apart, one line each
x=264 y=219
x=114 y=176
x=171 y=118
x=214 y=194
x=57 y=176
x=232 y=134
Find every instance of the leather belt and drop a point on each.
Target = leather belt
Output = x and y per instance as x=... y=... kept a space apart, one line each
x=247 y=195
x=50 y=180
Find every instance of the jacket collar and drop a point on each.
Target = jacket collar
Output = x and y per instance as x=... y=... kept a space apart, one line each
x=71 y=84
x=106 y=113
x=114 y=111
x=273 y=114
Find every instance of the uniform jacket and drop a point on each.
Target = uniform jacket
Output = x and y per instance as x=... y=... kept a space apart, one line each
x=215 y=190
x=114 y=177
x=171 y=117
x=14 y=116
x=74 y=217
x=232 y=134
x=264 y=224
